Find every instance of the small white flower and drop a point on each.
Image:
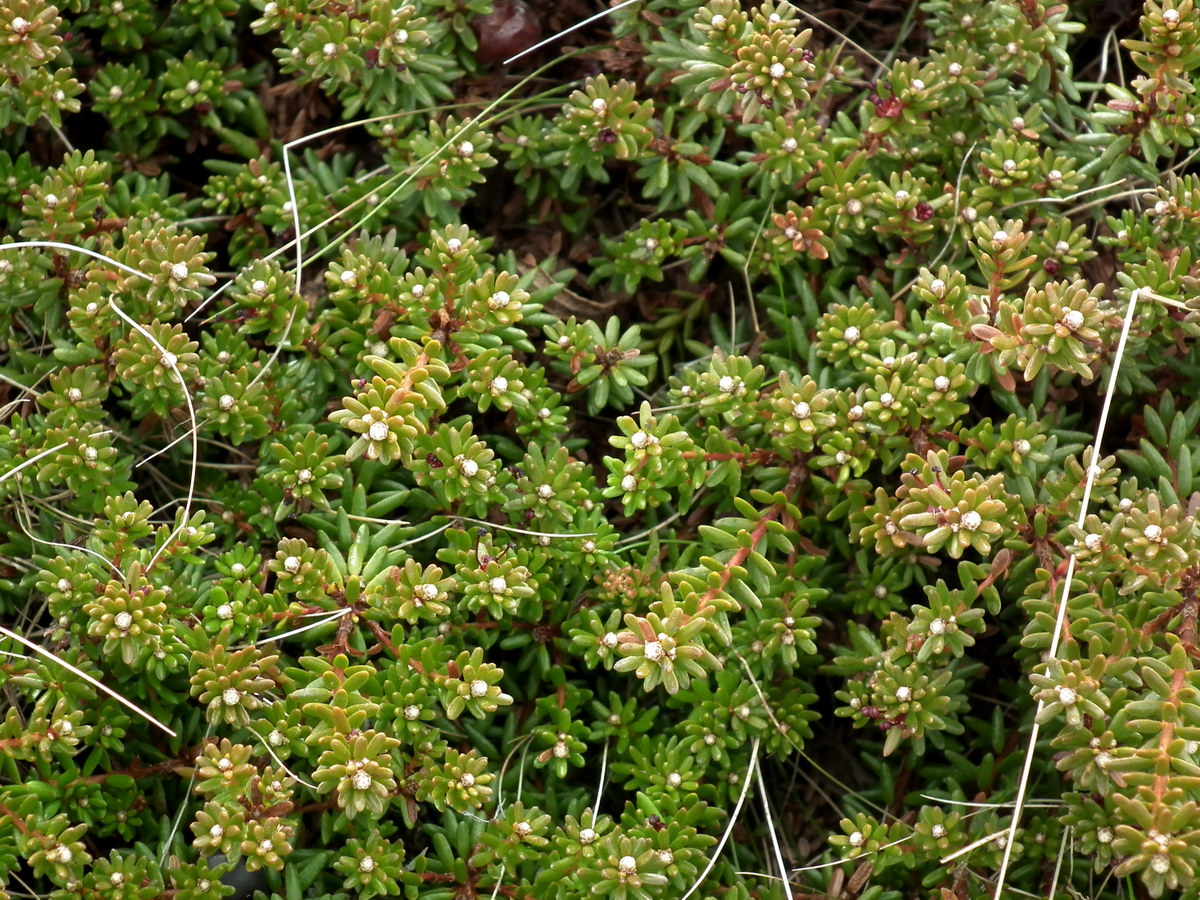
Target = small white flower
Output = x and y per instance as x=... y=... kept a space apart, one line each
x=237 y=570
x=523 y=829
x=653 y=651
x=902 y=195
x=917 y=84
x=903 y=693
x=1000 y=237
x=192 y=87
x=1009 y=165
x=674 y=780
x=627 y=865
x=801 y=410
x=366 y=864
x=330 y=49
x=169 y=359
x=479 y=688
x=938 y=831
x=123 y=620
x=1170 y=18
x=1104 y=835
x=886 y=399
x=179 y=271
x=955 y=69
x=361 y=781
x=498 y=585
x=726 y=384
x=971 y=520
x=19 y=25
x=856 y=839
x=499 y=300
x=718 y=21
x=1125 y=505
x=629 y=484
x=412 y=712
x=778 y=70
x=666 y=857
x=378 y=432
x=586 y=835
x=970 y=214
x=292 y=564
x=853 y=207
x=1073 y=319
x=466 y=779
x=400 y=36
x=91 y=454
x=231 y=696
x=51 y=200
x=609 y=640
x=224 y=611
x=599 y=105
x=63 y=585
x=469 y=467
x=1160 y=862
x=1067 y=696
x=639 y=439
x=225 y=402
x=851 y=335
x=454 y=245
x=561 y=750
x=1152 y=532
x=499 y=384
x=942 y=383
x=789 y=145
x=937 y=626
x=466 y=148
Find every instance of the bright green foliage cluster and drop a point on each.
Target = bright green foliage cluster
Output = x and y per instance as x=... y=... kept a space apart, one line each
x=526 y=492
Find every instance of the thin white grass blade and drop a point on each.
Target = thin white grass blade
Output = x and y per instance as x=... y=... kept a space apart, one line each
x=583 y=23
x=86 y=677
x=303 y=628
x=1060 y=618
x=169 y=360
x=762 y=790
x=733 y=817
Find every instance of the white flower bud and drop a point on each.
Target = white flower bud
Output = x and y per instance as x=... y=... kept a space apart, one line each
x=653 y=651
x=726 y=384
x=778 y=70
x=938 y=831
x=479 y=688
x=801 y=410
x=903 y=693
x=857 y=839
x=1067 y=696
x=971 y=520
x=1073 y=319
x=469 y=467
x=937 y=626
x=224 y=611
x=941 y=383
x=629 y=484
x=599 y=105
x=627 y=865
x=1152 y=532
x=179 y=271
x=586 y=836
x=378 y=431
x=499 y=384
x=292 y=564
x=466 y=148
x=231 y=696
x=1170 y=17
x=498 y=585
x=1092 y=541
x=361 y=781
x=330 y=49
x=1160 y=862
x=955 y=69
x=851 y=335
x=123 y=620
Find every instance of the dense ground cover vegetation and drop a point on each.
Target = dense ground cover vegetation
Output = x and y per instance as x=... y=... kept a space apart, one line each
x=662 y=466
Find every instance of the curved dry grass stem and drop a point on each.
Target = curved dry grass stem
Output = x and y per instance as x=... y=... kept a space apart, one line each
x=733 y=817
x=1061 y=616
x=168 y=359
x=42 y=651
